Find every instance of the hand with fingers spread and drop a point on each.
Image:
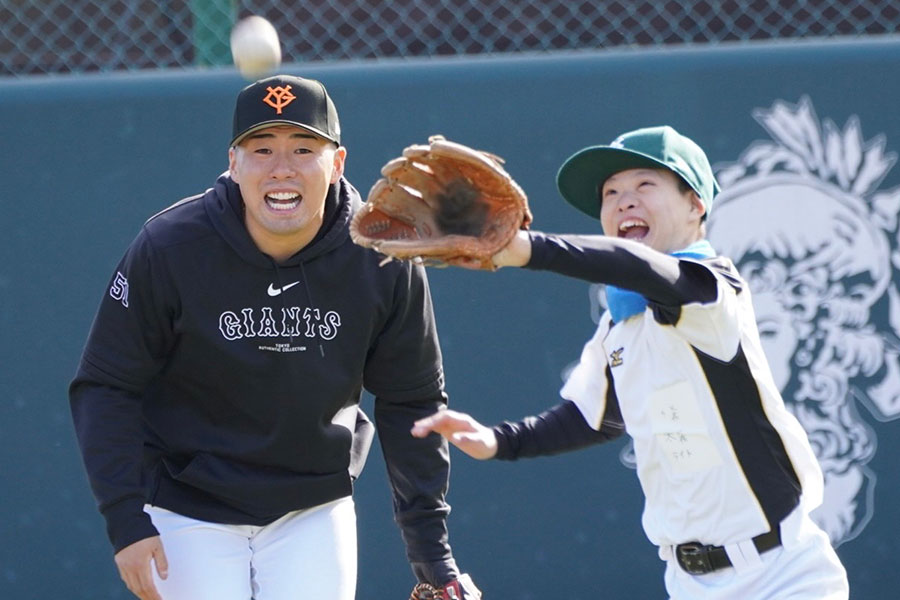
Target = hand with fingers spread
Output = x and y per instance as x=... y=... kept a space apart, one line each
x=461 y=430
x=135 y=568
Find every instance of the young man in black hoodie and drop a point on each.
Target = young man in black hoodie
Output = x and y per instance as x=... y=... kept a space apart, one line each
x=217 y=400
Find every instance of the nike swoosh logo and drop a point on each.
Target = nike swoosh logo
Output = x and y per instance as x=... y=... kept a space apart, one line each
x=274 y=291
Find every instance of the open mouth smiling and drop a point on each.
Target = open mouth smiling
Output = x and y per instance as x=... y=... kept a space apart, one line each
x=633 y=229
x=283 y=200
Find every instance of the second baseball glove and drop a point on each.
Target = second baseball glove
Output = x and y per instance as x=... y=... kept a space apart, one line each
x=440 y=202
x=459 y=589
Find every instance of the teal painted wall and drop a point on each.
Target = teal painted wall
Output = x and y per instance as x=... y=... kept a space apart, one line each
x=85 y=160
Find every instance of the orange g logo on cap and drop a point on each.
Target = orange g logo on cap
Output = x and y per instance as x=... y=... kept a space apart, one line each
x=297 y=101
x=279 y=97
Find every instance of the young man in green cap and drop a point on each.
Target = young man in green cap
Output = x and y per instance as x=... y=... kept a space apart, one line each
x=728 y=473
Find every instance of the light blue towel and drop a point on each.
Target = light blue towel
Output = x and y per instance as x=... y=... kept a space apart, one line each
x=626 y=303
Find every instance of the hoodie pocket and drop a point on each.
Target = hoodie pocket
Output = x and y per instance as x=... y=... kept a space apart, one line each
x=260 y=491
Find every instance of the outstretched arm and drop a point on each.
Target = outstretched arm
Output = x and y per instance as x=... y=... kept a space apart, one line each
x=603 y=259
x=559 y=429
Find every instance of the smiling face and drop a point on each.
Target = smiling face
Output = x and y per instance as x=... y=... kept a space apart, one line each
x=649 y=206
x=284 y=173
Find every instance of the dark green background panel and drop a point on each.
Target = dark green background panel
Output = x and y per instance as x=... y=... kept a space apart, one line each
x=85 y=160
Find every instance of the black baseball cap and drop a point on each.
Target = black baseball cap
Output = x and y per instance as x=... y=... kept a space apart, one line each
x=285 y=100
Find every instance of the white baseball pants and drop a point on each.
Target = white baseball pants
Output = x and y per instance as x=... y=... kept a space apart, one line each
x=805 y=567
x=306 y=555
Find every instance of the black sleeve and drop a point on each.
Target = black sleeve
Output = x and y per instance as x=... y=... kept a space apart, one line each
x=559 y=429
x=404 y=373
x=660 y=278
x=108 y=427
x=419 y=472
x=125 y=349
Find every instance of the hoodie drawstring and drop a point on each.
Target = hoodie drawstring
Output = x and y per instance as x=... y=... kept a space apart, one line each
x=312 y=305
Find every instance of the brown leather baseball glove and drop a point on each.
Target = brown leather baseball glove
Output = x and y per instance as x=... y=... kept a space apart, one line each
x=458 y=589
x=442 y=202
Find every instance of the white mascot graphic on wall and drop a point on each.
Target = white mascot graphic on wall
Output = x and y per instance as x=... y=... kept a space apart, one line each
x=804 y=220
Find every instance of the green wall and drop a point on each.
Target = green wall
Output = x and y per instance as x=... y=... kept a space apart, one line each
x=85 y=160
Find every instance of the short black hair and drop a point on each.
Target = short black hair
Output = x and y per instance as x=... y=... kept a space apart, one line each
x=684 y=186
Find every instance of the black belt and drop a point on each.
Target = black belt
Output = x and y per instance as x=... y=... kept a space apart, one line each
x=699 y=559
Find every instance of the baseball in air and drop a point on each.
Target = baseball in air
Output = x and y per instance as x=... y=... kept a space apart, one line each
x=255 y=47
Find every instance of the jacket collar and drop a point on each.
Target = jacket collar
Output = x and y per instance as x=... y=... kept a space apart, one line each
x=225 y=207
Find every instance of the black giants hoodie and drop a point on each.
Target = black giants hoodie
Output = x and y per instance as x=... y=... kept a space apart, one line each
x=223 y=386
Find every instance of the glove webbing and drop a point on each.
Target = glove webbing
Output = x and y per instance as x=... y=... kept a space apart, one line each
x=424 y=591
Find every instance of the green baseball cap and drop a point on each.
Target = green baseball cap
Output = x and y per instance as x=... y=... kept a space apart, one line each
x=582 y=175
